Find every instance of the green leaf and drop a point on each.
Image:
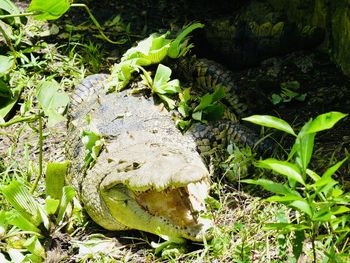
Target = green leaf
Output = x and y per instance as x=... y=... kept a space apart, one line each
x=55 y=175
x=8 y=103
x=285 y=198
x=271 y=121
x=51 y=205
x=49 y=9
x=313 y=175
x=327 y=176
x=34 y=246
x=214 y=112
x=151 y=50
x=205 y=101
x=16 y=219
x=6 y=64
x=178 y=47
x=10 y=8
x=303 y=206
x=340 y=210
x=282 y=167
x=325 y=121
x=68 y=194
x=298 y=242
x=162 y=76
x=52 y=101
x=304 y=146
x=20 y=198
x=197 y=116
x=93 y=143
x=168 y=101
x=269 y=185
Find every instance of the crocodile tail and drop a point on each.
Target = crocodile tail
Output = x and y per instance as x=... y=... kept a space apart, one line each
x=222 y=133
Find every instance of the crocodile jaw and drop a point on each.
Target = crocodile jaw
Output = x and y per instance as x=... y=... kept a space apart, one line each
x=172 y=213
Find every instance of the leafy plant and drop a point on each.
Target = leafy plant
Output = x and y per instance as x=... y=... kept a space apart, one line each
x=200 y=109
x=151 y=50
x=34 y=218
x=321 y=204
x=162 y=85
x=288 y=93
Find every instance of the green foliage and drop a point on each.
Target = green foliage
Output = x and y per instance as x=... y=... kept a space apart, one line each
x=201 y=109
x=318 y=198
x=93 y=143
x=52 y=101
x=288 y=93
x=41 y=220
x=49 y=9
x=162 y=85
x=151 y=50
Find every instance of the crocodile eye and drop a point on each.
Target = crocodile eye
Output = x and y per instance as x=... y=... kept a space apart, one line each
x=136 y=165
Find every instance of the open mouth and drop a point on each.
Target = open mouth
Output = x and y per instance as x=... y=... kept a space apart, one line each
x=181 y=206
x=172 y=213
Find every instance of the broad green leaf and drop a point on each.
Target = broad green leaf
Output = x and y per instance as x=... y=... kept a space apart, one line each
x=219 y=93
x=55 y=175
x=16 y=219
x=325 y=121
x=93 y=143
x=161 y=83
x=162 y=76
x=313 y=175
x=10 y=8
x=6 y=64
x=272 y=122
x=340 y=210
x=205 y=101
x=9 y=102
x=5 y=89
x=68 y=194
x=327 y=176
x=3 y=223
x=269 y=185
x=52 y=101
x=303 y=206
x=170 y=102
x=16 y=255
x=305 y=146
x=285 y=198
x=34 y=246
x=214 y=112
x=49 y=9
x=151 y=50
x=282 y=167
x=298 y=242
x=172 y=87
x=197 y=115
x=20 y=198
x=51 y=205
x=178 y=47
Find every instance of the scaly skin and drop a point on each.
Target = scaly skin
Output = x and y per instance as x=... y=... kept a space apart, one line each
x=148 y=176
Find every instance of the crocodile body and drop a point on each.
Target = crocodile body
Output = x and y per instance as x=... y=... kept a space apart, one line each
x=148 y=176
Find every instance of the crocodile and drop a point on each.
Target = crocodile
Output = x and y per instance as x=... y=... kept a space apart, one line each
x=148 y=176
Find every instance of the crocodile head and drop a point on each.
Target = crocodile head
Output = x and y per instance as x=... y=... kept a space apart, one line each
x=150 y=186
